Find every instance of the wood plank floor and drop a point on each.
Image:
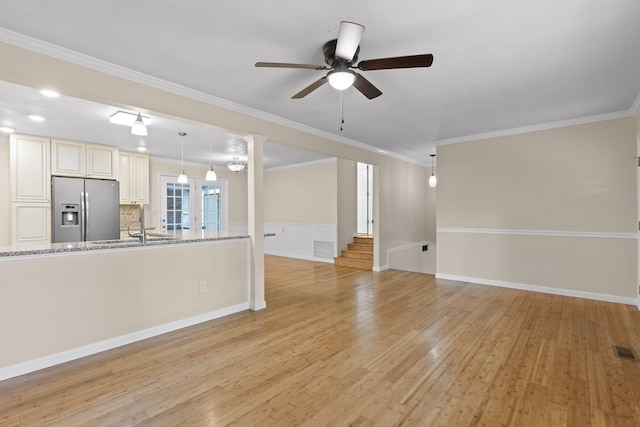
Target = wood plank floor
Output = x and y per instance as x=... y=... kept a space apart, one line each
x=339 y=346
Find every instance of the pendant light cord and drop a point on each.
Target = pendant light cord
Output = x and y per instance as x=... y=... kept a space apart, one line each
x=341 y=111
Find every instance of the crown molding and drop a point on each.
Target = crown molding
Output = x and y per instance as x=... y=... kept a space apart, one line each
x=635 y=107
x=537 y=127
x=58 y=52
x=302 y=164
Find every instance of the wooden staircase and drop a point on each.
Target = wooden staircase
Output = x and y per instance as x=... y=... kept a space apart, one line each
x=359 y=254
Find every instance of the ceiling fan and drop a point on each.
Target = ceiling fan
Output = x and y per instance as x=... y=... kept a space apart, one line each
x=341 y=54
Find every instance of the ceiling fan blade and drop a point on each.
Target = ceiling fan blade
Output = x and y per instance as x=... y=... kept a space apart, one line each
x=288 y=65
x=411 y=61
x=307 y=90
x=349 y=37
x=366 y=87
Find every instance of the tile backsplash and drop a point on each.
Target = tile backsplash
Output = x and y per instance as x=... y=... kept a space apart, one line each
x=129 y=216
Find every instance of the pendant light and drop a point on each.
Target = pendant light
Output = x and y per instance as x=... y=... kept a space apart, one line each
x=182 y=178
x=235 y=165
x=138 y=127
x=432 y=179
x=211 y=174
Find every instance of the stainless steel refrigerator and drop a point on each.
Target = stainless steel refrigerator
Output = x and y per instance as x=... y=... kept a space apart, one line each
x=84 y=209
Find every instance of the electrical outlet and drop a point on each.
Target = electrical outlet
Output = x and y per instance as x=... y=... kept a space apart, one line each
x=203 y=286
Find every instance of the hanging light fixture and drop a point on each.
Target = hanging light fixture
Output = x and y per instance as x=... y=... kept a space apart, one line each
x=138 y=127
x=211 y=174
x=182 y=178
x=432 y=179
x=235 y=165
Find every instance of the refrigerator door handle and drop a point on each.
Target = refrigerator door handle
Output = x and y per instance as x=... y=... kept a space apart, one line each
x=87 y=211
x=83 y=216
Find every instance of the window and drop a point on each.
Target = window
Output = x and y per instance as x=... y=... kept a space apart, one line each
x=198 y=205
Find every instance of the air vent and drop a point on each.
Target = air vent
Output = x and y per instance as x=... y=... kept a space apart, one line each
x=625 y=353
x=323 y=249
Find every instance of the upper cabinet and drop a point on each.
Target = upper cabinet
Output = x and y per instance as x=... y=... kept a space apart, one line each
x=29 y=164
x=133 y=170
x=71 y=158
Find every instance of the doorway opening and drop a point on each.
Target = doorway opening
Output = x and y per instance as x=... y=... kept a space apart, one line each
x=365 y=199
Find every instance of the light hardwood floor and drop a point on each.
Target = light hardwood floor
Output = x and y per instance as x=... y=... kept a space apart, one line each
x=338 y=346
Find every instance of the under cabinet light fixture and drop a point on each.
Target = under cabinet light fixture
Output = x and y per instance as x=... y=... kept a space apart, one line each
x=182 y=178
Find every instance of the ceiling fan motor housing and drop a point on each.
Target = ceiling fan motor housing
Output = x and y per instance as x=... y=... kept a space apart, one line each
x=329 y=51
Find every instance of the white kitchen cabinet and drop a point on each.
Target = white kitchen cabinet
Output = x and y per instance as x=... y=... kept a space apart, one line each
x=102 y=161
x=133 y=170
x=29 y=165
x=78 y=159
x=30 y=223
x=68 y=158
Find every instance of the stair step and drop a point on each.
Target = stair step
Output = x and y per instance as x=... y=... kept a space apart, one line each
x=354 y=263
x=362 y=240
x=357 y=255
x=360 y=248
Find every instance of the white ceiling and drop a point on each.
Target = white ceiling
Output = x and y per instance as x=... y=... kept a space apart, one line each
x=498 y=64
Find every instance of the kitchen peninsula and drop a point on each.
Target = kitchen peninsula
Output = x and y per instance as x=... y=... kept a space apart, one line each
x=66 y=301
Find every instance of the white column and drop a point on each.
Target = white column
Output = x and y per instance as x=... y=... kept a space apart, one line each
x=255 y=192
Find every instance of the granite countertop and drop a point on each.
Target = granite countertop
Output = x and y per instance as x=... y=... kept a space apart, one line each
x=153 y=239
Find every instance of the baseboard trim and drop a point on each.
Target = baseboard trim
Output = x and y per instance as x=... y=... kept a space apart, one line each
x=257 y=306
x=542 y=289
x=288 y=255
x=88 y=350
x=381 y=268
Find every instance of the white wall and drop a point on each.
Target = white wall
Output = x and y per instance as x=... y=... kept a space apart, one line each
x=553 y=210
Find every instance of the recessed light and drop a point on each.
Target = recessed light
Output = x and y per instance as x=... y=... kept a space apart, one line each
x=7 y=129
x=36 y=117
x=141 y=149
x=50 y=93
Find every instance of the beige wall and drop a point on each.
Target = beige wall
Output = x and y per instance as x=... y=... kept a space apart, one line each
x=125 y=291
x=302 y=194
x=347 y=203
x=554 y=208
x=5 y=194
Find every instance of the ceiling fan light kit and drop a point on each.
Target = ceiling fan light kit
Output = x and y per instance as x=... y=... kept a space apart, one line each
x=341 y=79
x=341 y=54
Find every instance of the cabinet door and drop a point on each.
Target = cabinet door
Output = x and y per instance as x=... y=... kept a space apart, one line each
x=68 y=158
x=31 y=222
x=29 y=165
x=102 y=161
x=124 y=176
x=140 y=178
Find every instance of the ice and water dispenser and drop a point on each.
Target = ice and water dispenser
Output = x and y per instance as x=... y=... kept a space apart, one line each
x=70 y=215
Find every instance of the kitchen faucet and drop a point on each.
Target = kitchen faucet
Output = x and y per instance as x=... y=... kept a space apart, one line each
x=142 y=235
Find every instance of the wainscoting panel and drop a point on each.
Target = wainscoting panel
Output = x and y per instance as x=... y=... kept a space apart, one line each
x=304 y=241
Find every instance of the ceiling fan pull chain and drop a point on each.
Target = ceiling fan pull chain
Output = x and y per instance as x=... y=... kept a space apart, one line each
x=341 y=110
